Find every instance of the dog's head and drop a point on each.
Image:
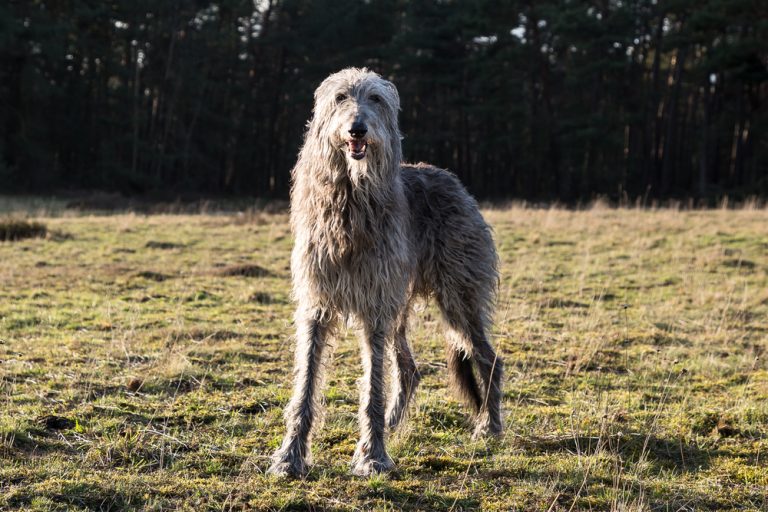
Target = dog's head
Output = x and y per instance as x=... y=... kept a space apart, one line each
x=356 y=113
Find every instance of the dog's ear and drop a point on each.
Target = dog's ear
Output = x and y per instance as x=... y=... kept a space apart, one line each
x=394 y=97
x=321 y=91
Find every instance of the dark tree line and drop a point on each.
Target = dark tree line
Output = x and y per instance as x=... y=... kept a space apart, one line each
x=548 y=100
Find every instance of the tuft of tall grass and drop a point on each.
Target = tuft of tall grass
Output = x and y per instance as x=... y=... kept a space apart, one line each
x=12 y=229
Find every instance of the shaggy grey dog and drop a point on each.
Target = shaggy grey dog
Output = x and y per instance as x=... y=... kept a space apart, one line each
x=371 y=235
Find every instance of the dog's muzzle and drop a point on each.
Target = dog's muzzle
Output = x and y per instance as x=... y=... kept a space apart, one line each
x=357 y=144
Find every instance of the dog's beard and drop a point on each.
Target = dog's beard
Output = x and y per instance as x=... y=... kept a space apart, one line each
x=362 y=170
x=358 y=169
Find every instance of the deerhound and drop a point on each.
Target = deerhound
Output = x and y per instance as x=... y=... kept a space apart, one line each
x=371 y=235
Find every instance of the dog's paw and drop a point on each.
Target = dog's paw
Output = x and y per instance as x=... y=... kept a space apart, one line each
x=485 y=427
x=284 y=465
x=367 y=465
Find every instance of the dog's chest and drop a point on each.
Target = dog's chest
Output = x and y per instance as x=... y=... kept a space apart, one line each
x=354 y=277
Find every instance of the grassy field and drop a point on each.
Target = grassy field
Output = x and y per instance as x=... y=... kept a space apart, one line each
x=145 y=360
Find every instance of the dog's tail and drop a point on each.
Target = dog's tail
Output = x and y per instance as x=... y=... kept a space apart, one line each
x=463 y=378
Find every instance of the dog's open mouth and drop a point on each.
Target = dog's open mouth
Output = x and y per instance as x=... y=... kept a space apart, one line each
x=357 y=148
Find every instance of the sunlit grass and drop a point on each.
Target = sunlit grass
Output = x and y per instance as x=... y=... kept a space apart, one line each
x=145 y=361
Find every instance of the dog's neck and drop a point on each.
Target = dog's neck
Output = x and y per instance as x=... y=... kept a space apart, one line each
x=348 y=201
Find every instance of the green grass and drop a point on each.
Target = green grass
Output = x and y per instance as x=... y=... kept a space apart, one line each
x=145 y=361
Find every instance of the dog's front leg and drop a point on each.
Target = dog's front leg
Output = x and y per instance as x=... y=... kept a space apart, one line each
x=303 y=411
x=371 y=454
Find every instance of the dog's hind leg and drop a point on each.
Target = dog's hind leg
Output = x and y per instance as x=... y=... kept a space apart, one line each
x=304 y=410
x=490 y=369
x=405 y=375
x=469 y=349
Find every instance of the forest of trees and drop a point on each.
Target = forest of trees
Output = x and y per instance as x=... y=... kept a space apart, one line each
x=547 y=100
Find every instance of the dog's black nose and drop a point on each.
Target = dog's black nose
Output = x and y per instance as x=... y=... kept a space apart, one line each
x=358 y=130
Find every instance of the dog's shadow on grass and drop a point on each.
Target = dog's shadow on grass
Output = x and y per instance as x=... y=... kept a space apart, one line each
x=660 y=453
x=403 y=496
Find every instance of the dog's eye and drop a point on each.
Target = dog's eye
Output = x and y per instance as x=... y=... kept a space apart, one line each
x=375 y=98
x=340 y=97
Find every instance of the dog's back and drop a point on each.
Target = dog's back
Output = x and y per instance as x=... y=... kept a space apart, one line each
x=453 y=243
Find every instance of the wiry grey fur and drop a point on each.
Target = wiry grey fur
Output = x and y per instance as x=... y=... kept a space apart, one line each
x=371 y=235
